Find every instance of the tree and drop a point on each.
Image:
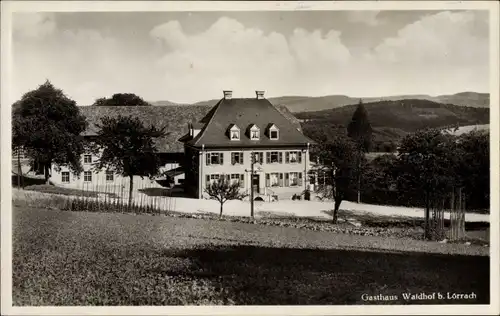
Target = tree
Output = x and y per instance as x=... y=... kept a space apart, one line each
x=222 y=190
x=474 y=167
x=128 y=148
x=122 y=99
x=47 y=126
x=379 y=175
x=427 y=164
x=338 y=158
x=322 y=131
x=360 y=130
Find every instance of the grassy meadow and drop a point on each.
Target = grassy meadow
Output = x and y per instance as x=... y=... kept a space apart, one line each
x=84 y=258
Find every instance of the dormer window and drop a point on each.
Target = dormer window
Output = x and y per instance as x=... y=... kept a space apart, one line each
x=235 y=135
x=254 y=132
x=274 y=133
x=234 y=132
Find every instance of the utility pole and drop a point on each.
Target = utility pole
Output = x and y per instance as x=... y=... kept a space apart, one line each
x=252 y=163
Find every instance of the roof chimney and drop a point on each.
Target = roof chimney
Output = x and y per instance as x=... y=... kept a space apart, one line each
x=260 y=94
x=228 y=94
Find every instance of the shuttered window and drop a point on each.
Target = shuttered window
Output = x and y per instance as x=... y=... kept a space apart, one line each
x=293 y=157
x=237 y=158
x=274 y=157
x=214 y=159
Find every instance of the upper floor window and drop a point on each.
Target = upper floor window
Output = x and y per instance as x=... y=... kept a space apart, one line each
x=87 y=158
x=293 y=157
x=254 y=132
x=273 y=132
x=237 y=158
x=274 y=157
x=259 y=157
x=214 y=159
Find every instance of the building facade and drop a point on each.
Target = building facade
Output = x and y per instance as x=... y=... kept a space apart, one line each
x=108 y=181
x=236 y=129
x=219 y=142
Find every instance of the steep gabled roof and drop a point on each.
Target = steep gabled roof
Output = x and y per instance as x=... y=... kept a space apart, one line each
x=174 y=118
x=244 y=112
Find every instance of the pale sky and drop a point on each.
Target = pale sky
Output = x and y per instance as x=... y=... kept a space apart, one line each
x=187 y=57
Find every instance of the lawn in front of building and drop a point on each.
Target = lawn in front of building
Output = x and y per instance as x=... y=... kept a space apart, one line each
x=77 y=258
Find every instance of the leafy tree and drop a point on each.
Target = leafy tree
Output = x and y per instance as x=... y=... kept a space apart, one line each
x=128 y=148
x=379 y=174
x=222 y=190
x=338 y=158
x=121 y=99
x=427 y=166
x=322 y=131
x=474 y=167
x=47 y=126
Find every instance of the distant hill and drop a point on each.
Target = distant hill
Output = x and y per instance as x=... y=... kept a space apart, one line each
x=392 y=120
x=309 y=104
x=407 y=115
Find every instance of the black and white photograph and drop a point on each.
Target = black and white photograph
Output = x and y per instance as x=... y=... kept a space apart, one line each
x=276 y=157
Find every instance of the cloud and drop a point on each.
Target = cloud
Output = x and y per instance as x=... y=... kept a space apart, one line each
x=364 y=17
x=440 y=51
x=230 y=55
x=445 y=37
x=34 y=25
x=444 y=52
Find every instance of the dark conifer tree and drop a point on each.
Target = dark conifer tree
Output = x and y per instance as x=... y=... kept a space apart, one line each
x=360 y=131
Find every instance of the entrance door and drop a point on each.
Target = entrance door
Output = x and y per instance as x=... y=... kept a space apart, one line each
x=255 y=183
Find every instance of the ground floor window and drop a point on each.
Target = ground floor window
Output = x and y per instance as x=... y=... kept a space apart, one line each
x=110 y=176
x=234 y=177
x=210 y=178
x=274 y=179
x=237 y=177
x=288 y=179
x=87 y=176
x=65 y=176
x=294 y=178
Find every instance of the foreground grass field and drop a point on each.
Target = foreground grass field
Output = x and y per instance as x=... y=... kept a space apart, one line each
x=73 y=258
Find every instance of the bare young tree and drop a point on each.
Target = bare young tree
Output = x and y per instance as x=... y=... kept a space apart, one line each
x=222 y=190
